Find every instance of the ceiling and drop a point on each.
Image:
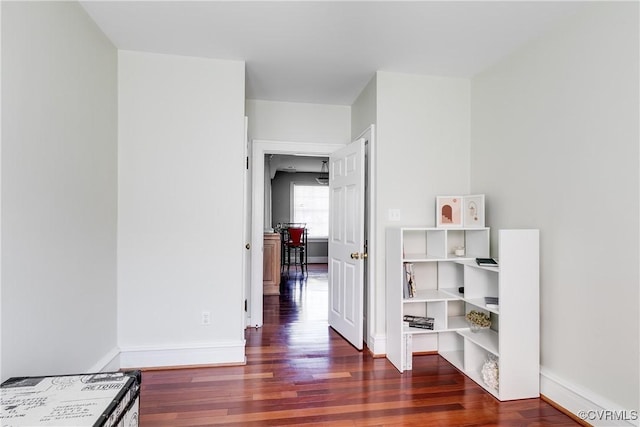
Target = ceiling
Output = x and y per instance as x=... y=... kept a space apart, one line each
x=326 y=51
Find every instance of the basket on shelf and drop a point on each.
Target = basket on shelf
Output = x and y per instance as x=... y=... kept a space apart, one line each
x=478 y=320
x=490 y=372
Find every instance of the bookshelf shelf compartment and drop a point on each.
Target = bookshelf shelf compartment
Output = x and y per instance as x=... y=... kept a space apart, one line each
x=411 y=330
x=439 y=276
x=424 y=295
x=457 y=323
x=487 y=339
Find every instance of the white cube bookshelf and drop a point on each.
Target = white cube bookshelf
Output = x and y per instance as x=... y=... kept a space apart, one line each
x=514 y=334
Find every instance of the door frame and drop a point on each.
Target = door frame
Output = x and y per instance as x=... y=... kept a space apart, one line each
x=246 y=230
x=259 y=148
x=369 y=135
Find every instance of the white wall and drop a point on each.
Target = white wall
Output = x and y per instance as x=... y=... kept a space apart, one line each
x=422 y=152
x=180 y=200
x=59 y=182
x=555 y=147
x=363 y=110
x=298 y=122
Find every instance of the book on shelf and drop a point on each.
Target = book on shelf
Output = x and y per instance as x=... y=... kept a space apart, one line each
x=409 y=288
x=421 y=322
x=405 y=282
x=491 y=302
x=421 y=325
x=487 y=262
x=412 y=318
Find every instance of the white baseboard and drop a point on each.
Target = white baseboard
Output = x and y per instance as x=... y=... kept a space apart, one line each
x=377 y=344
x=317 y=260
x=183 y=355
x=109 y=362
x=595 y=410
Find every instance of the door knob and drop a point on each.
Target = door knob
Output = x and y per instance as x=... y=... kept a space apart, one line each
x=355 y=255
x=248 y=246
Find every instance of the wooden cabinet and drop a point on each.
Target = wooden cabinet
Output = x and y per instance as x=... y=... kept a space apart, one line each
x=510 y=347
x=271 y=264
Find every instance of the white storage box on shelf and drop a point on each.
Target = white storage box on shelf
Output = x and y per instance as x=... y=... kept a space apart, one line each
x=512 y=342
x=101 y=400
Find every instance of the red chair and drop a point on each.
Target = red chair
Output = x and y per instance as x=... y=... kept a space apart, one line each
x=295 y=246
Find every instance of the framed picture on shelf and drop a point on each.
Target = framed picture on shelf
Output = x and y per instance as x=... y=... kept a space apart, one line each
x=449 y=211
x=473 y=211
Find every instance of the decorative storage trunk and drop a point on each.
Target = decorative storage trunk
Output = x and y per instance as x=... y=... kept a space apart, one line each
x=100 y=399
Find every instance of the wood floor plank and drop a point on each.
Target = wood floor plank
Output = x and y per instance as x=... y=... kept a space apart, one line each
x=331 y=375
x=232 y=377
x=300 y=372
x=278 y=395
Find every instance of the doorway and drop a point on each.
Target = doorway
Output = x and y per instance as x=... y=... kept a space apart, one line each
x=298 y=195
x=260 y=148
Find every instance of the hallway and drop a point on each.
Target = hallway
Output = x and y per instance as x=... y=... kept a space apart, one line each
x=300 y=372
x=297 y=318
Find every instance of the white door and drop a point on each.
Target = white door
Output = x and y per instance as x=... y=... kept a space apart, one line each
x=346 y=241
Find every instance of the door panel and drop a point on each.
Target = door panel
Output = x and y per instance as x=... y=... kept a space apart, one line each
x=350 y=297
x=334 y=279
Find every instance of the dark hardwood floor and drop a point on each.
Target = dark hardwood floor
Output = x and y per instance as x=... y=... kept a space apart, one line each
x=300 y=372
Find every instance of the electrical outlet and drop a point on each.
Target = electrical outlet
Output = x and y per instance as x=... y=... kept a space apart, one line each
x=394 y=214
x=206 y=317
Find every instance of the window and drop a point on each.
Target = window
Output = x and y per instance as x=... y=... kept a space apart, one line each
x=310 y=204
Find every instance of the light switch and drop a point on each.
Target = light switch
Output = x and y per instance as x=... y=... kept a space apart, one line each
x=394 y=214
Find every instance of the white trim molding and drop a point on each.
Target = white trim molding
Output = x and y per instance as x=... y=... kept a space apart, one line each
x=317 y=239
x=377 y=344
x=108 y=362
x=594 y=409
x=183 y=355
